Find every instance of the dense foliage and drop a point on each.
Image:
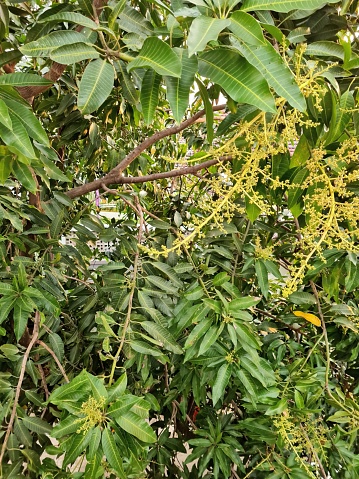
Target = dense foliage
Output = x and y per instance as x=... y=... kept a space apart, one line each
x=179 y=290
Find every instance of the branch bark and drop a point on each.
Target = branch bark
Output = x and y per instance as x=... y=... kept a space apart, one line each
x=115 y=175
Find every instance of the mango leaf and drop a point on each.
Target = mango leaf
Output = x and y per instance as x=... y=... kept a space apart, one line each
x=252 y=210
x=162 y=284
x=57 y=345
x=247 y=337
x=341 y=116
x=53 y=171
x=162 y=335
x=278 y=408
x=150 y=89
x=76 y=446
x=325 y=49
x=17 y=138
x=68 y=54
x=144 y=348
x=23 y=79
x=178 y=89
x=46 y=44
x=65 y=427
x=295 y=194
x=209 y=338
x=9 y=57
x=159 y=56
x=202 y=30
x=37 y=425
x=270 y=64
x=22 y=111
x=283 y=6
x=220 y=384
x=246 y=28
x=24 y=175
x=112 y=453
x=208 y=109
x=300 y=297
x=131 y=20
x=312 y=318
x=262 y=277
x=238 y=78
x=128 y=89
x=242 y=303
x=94 y=469
x=95 y=86
x=71 y=17
x=197 y=332
x=5 y=168
x=118 y=388
x=5 y=118
x=98 y=388
x=136 y=426
x=124 y=404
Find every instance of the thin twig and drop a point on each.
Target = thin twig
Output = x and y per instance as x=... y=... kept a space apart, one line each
x=57 y=361
x=187 y=416
x=132 y=291
x=34 y=338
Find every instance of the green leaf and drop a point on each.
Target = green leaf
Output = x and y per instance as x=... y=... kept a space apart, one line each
x=209 y=338
x=150 y=89
x=53 y=171
x=97 y=386
x=302 y=298
x=24 y=175
x=46 y=44
x=325 y=49
x=242 y=303
x=128 y=88
x=247 y=336
x=252 y=210
x=94 y=446
x=178 y=89
x=197 y=332
x=278 y=408
x=118 y=388
x=295 y=193
x=168 y=271
x=6 y=305
x=159 y=56
x=131 y=20
x=238 y=78
x=262 y=277
x=5 y=168
x=71 y=17
x=270 y=64
x=341 y=117
x=162 y=335
x=23 y=79
x=17 y=138
x=65 y=427
x=93 y=469
x=95 y=86
x=124 y=404
x=22 y=111
x=4 y=112
x=9 y=57
x=203 y=30
x=68 y=54
x=37 y=425
x=208 y=109
x=220 y=384
x=144 y=348
x=112 y=453
x=21 y=315
x=284 y=6
x=75 y=447
x=136 y=426
x=162 y=284
x=246 y=28
x=78 y=387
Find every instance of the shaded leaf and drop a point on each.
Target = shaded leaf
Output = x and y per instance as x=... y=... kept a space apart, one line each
x=95 y=86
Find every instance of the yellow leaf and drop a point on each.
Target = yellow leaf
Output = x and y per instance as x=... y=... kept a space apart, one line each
x=312 y=318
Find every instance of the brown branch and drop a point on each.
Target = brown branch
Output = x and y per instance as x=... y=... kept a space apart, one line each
x=57 y=361
x=115 y=175
x=34 y=338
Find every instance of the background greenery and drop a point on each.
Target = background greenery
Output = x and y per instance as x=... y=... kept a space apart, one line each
x=219 y=335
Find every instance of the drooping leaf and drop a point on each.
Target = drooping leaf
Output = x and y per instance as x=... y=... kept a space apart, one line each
x=246 y=28
x=220 y=384
x=262 y=277
x=202 y=30
x=46 y=44
x=162 y=335
x=17 y=138
x=76 y=52
x=71 y=17
x=77 y=445
x=112 y=452
x=95 y=86
x=128 y=87
x=284 y=6
x=178 y=89
x=23 y=79
x=149 y=95
x=136 y=426
x=159 y=56
x=270 y=64
x=131 y=20
x=208 y=109
x=37 y=425
x=238 y=78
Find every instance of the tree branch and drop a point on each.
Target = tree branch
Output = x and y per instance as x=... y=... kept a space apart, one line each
x=115 y=175
x=57 y=361
x=34 y=338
